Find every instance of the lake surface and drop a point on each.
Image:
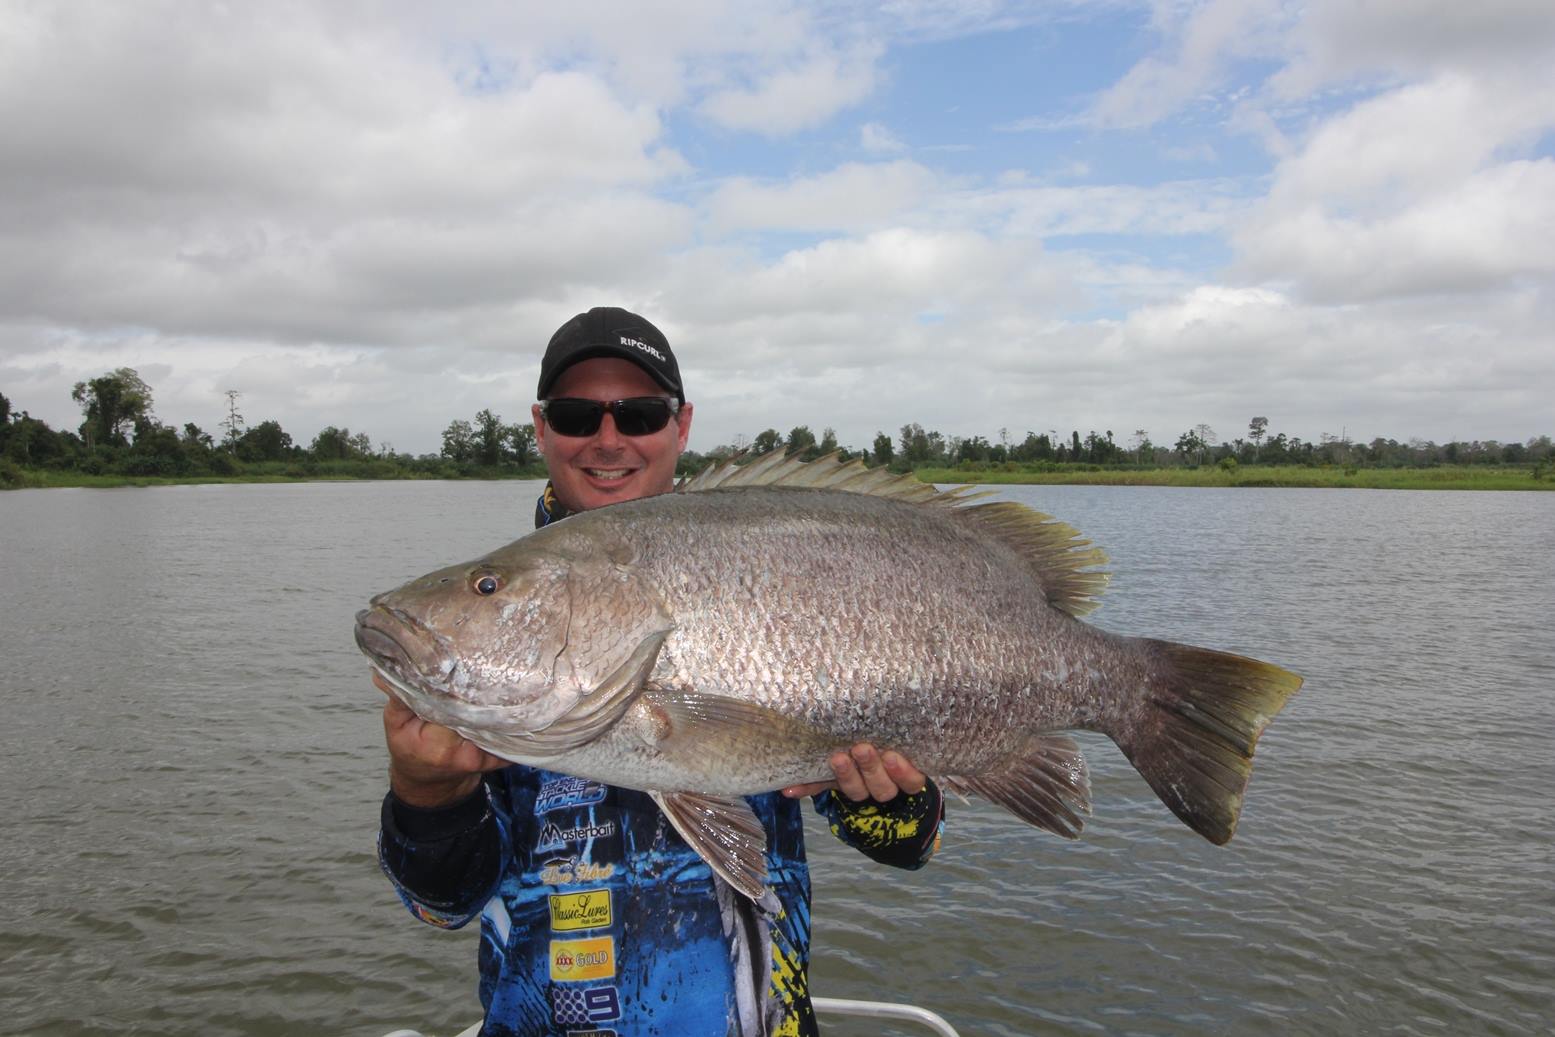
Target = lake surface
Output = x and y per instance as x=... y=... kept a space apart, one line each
x=193 y=762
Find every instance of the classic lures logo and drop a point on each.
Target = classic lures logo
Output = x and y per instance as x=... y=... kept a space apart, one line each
x=573 y=911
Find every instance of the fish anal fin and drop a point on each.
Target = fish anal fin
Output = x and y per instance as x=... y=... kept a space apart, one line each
x=1047 y=785
x=1213 y=706
x=725 y=833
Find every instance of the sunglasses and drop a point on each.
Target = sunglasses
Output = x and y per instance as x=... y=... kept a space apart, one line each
x=637 y=416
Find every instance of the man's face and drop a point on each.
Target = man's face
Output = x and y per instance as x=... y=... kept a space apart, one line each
x=607 y=467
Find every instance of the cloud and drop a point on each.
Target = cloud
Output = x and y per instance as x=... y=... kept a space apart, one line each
x=1338 y=40
x=1201 y=41
x=797 y=95
x=1410 y=192
x=875 y=137
x=378 y=222
x=852 y=196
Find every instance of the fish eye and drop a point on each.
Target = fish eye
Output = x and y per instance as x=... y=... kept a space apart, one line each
x=486 y=583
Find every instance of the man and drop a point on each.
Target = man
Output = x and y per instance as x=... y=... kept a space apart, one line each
x=596 y=917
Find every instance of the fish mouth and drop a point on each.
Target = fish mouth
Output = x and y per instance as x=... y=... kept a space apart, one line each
x=396 y=643
x=422 y=674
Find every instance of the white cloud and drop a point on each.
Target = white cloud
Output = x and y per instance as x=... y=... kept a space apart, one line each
x=1339 y=40
x=377 y=222
x=1412 y=192
x=1201 y=40
x=875 y=137
x=797 y=95
x=851 y=196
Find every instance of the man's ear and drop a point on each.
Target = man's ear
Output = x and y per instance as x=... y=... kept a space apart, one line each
x=683 y=428
x=534 y=414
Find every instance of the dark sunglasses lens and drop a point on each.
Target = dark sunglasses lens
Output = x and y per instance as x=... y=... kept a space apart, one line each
x=642 y=416
x=639 y=416
x=574 y=417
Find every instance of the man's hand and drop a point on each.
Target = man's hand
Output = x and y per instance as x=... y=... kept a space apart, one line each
x=429 y=765
x=863 y=773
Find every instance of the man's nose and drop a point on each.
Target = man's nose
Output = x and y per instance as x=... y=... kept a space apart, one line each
x=608 y=435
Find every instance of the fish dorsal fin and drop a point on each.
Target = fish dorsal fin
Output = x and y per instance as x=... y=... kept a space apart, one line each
x=1058 y=555
x=824 y=473
x=1060 y=558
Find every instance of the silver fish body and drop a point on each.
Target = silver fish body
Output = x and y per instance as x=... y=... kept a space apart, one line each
x=726 y=639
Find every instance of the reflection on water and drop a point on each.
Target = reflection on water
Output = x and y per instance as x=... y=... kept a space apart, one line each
x=193 y=763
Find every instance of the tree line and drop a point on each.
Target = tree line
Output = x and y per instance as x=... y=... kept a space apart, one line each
x=916 y=447
x=120 y=435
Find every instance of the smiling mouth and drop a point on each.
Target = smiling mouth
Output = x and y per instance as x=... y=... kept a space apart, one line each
x=608 y=474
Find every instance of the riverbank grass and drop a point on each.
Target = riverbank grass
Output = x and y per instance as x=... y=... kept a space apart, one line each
x=1442 y=477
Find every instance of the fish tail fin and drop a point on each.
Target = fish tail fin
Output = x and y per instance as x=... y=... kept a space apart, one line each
x=1195 y=747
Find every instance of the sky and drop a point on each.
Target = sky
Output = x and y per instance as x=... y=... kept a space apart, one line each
x=985 y=217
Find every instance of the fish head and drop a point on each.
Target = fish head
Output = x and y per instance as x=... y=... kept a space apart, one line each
x=510 y=643
x=477 y=645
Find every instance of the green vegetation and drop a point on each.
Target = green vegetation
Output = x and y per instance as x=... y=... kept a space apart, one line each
x=1444 y=477
x=121 y=442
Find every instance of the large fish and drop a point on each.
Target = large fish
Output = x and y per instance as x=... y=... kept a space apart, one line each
x=725 y=639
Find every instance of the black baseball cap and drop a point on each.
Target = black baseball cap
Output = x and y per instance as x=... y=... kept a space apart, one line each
x=610 y=331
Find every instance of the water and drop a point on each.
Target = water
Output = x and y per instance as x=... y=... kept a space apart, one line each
x=192 y=765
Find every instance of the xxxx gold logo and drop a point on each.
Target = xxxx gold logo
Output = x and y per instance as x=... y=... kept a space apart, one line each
x=573 y=911
x=583 y=959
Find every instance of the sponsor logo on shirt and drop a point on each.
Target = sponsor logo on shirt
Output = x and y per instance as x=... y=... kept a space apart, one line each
x=585 y=1006
x=573 y=911
x=560 y=793
x=554 y=836
x=565 y=871
x=573 y=960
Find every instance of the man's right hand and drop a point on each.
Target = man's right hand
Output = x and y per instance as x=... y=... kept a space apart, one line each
x=430 y=765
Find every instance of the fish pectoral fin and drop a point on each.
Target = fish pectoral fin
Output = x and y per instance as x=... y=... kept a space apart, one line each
x=1047 y=785
x=597 y=711
x=699 y=725
x=725 y=833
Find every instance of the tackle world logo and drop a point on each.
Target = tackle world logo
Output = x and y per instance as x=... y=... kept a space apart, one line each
x=561 y=793
x=554 y=837
x=567 y=870
x=636 y=344
x=573 y=911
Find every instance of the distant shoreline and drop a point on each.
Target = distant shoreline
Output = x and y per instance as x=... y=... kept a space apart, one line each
x=1443 y=477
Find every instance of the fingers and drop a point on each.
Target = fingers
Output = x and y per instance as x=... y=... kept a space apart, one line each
x=906 y=777
x=862 y=774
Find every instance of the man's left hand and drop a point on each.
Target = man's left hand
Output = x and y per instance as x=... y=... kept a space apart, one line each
x=864 y=773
